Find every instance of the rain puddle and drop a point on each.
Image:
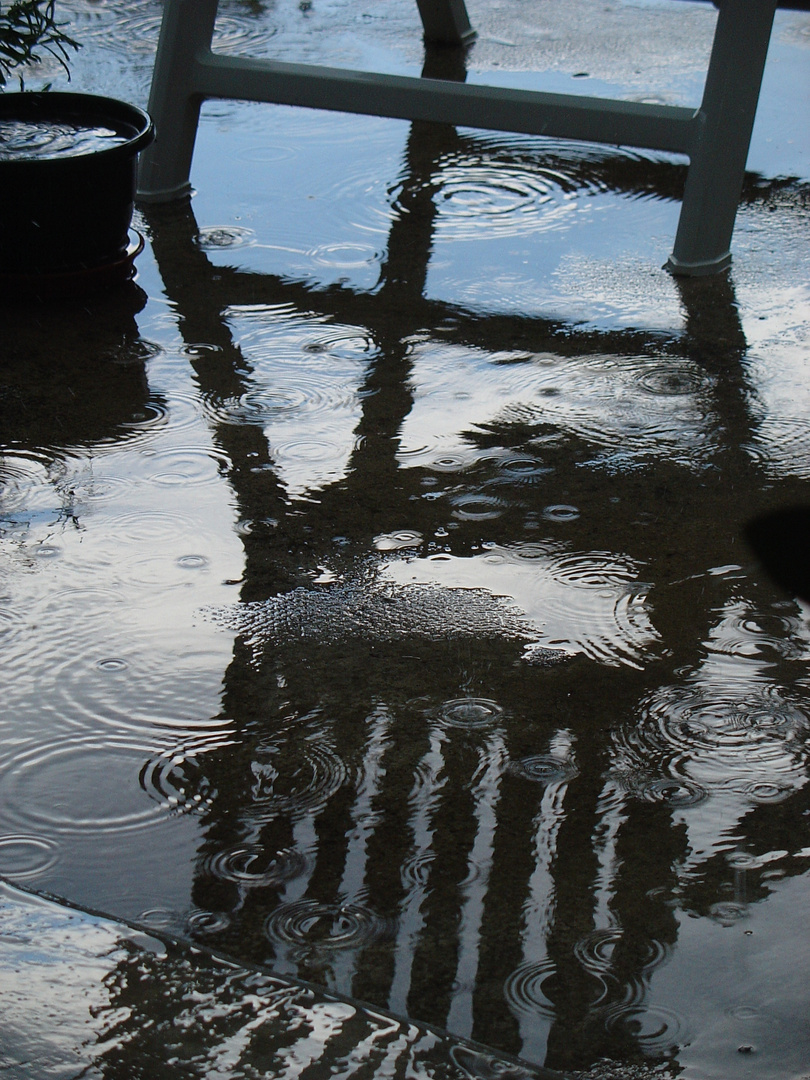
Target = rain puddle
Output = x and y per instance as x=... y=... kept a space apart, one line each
x=215 y=1014
x=374 y=608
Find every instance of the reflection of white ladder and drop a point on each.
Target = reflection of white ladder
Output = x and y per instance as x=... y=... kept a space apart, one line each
x=715 y=137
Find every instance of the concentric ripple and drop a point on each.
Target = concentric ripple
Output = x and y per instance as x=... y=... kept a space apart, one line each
x=192 y=562
x=159 y=918
x=141 y=426
x=79 y=784
x=610 y=624
x=312 y=925
x=560 y=512
x=595 y=951
x=101 y=488
x=522 y=469
x=470 y=712
x=23 y=475
x=543 y=769
x=135 y=27
x=742 y=737
x=531 y=989
x=23 y=856
x=593 y=570
x=300 y=343
x=184 y=466
x=112 y=663
x=294 y=777
x=743 y=633
x=253 y=526
x=728 y=912
x=416 y=870
x=765 y=792
x=259 y=405
x=148 y=526
x=653 y=1028
x=476 y=506
x=176 y=780
x=202 y=923
x=202 y=351
x=255 y=867
x=629 y=409
x=311 y=393
x=477 y=199
x=712 y=718
x=673 y=791
x=340 y=342
x=104 y=672
x=439 y=462
x=672 y=377
x=346 y=256
x=216 y=237
x=781 y=446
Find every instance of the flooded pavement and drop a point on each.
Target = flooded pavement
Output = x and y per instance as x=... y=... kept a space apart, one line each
x=374 y=602
x=74 y=1005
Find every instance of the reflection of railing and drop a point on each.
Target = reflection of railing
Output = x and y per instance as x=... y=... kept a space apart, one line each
x=474 y=864
x=715 y=136
x=391 y=312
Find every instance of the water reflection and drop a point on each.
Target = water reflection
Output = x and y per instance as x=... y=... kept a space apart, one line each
x=456 y=859
x=76 y=381
x=506 y=712
x=208 y=1015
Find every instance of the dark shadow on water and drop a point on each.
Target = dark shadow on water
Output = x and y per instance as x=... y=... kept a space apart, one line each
x=415 y=810
x=73 y=373
x=424 y=838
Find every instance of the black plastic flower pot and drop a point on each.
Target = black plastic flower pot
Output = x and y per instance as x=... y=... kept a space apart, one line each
x=66 y=200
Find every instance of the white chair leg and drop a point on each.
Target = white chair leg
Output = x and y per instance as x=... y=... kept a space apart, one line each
x=716 y=137
x=717 y=162
x=174 y=100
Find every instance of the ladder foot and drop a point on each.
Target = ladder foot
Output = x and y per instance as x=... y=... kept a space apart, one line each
x=703 y=268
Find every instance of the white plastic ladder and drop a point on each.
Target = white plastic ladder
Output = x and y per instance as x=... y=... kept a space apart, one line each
x=714 y=136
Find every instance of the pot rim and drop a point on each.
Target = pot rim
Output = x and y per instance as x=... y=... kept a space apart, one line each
x=59 y=104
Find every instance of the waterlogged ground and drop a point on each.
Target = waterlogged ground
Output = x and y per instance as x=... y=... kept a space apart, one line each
x=373 y=598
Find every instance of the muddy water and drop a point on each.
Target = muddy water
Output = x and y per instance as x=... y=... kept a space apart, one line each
x=373 y=600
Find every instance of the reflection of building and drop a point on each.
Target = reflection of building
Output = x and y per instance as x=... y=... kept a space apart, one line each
x=423 y=819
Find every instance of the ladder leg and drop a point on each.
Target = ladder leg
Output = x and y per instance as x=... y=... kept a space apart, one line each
x=717 y=162
x=185 y=34
x=445 y=22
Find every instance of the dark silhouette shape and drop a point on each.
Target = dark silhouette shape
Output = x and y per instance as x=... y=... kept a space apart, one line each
x=780 y=539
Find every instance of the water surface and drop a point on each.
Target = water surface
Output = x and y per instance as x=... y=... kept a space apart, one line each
x=373 y=597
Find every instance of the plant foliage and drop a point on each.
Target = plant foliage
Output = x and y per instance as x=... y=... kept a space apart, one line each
x=26 y=28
